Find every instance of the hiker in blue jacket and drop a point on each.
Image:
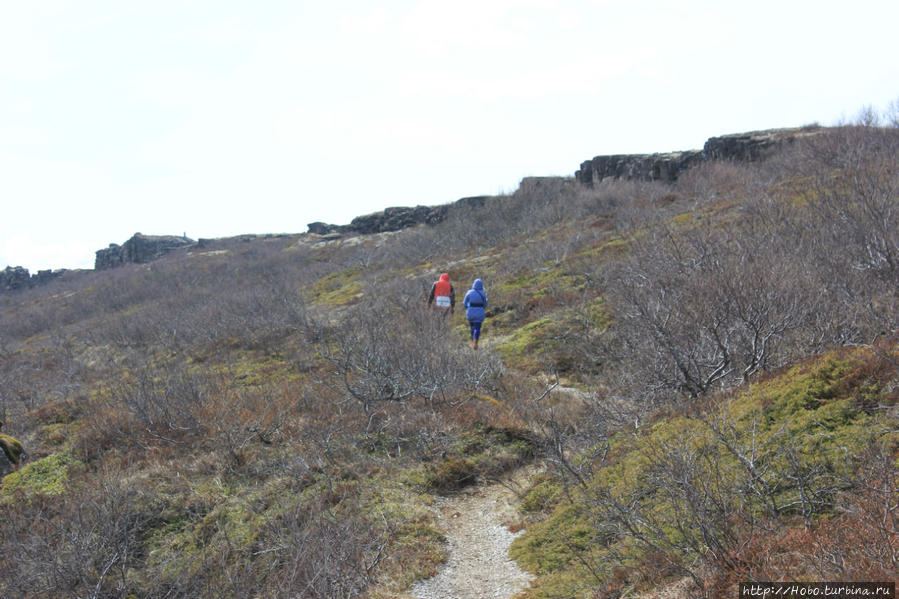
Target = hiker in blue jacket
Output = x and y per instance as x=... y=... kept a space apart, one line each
x=475 y=303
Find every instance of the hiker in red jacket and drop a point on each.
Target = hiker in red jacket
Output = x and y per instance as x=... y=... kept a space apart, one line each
x=443 y=296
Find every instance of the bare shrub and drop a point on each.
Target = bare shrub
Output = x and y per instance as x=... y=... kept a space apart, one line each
x=166 y=401
x=323 y=550
x=855 y=186
x=696 y=310
x=574 y=427
x=237 y=419
x=856 y=542
x=846 y=230
x=87 y=548
x=710 y=182
x=399 y=351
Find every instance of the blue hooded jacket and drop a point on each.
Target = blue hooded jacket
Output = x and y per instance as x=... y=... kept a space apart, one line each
x=475 y=302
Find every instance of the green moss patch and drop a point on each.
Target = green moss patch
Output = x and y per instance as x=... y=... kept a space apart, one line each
x=338 y=288
x=557 y=341
x=46 y=476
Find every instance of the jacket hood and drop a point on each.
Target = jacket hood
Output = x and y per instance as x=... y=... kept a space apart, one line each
x=478 y=284
x=444 y=277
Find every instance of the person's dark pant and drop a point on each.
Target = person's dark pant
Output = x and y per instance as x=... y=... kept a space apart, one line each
x=475 y=329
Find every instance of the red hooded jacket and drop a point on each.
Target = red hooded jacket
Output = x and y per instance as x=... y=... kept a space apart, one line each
x=442 y=293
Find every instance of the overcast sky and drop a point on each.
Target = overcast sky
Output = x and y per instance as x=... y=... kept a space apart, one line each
x=216 y=118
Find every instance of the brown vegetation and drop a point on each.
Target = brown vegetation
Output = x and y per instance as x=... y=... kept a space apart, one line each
x=708 y=369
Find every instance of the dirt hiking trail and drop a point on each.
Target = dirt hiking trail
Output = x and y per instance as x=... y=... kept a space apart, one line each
x=475 y=522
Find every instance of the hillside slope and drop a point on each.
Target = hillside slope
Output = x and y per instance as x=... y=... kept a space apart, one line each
x=706 y=369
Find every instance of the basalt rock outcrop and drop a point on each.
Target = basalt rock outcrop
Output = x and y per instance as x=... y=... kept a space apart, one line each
x=738 y=147
x=394 y=219
x=665 y=167
x=644 y=167
x=13 y=278
x=140 y=249
x=390 y=219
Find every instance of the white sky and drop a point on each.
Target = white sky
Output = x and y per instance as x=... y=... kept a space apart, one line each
x=216 y=118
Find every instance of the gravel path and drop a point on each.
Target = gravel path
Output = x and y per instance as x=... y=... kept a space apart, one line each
x=478 y=564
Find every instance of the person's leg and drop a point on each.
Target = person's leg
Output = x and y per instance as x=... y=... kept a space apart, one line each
x=475 y=333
